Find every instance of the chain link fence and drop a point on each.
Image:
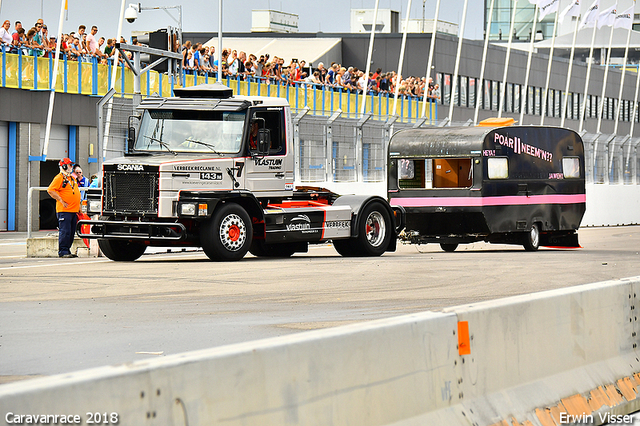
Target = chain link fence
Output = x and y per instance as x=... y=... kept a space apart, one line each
x=114 y=126
x=342 y=149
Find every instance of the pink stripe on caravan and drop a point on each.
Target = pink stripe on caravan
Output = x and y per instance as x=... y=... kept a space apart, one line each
x=516 y=200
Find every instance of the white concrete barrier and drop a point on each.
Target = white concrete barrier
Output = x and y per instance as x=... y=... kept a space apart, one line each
x=611 y=205
x=526 y=360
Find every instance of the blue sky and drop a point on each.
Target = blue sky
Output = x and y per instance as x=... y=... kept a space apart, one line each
x=328 y=16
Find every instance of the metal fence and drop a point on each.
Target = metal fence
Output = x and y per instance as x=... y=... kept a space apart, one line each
x=342 y=149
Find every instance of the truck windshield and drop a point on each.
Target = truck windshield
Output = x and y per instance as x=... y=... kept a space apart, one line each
x=191 y=131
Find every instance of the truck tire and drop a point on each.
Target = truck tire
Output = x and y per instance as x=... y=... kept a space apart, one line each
x=449 y=247
x=122 y=251
x=227 y=235
x=346 y=248
x=531 y=240
x=260 y=249
x=374 y=231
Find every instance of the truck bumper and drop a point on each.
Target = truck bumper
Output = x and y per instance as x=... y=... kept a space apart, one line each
x=127 y=230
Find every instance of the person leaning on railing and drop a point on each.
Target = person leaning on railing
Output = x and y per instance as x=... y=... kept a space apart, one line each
x=5 y=37
x=19 y=39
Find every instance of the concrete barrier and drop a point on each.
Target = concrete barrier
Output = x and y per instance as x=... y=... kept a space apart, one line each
x=47 y=246
x=518 y=361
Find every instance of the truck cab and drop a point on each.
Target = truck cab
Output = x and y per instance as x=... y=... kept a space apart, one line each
x=209 y=169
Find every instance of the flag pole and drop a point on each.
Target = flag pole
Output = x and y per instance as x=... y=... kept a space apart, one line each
x=432 y=48
x=369 y=55
x=402 y=46
x=506 y=62
x=633 y=116
x=484 y=62
x=114 y=74
x=525 y=97
x=52 y=95
x=546 y=85
x=454 y=83
x=624 y=69
x=566 y=89
x=219 y=51
x=586 y=81
x=604 y=84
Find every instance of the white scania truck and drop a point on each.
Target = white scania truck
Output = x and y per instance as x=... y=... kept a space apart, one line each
x=213 y=170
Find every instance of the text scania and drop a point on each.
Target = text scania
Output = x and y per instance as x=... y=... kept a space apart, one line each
x=273 y=163
x=131 y=167
x=522 y=148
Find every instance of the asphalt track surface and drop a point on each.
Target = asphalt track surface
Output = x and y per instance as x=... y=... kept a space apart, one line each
x=62 y=315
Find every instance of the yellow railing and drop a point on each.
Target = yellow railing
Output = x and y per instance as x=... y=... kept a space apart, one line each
x=92 y=78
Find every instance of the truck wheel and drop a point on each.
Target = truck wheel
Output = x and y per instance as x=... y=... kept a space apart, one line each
x=532 y=238
x=346 y=248
x=448 y=247
x=120 y=250
x=374 y=230
x=260 y=249
x=227 y=236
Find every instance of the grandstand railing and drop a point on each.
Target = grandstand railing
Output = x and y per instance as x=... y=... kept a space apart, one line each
x=89 y=77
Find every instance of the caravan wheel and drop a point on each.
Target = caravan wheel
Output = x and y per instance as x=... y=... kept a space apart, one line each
x=532 y=238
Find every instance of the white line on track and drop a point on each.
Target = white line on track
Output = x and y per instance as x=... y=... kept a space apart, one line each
x=55 y=264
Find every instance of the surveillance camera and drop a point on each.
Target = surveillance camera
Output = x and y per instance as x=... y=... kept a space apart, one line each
x=131 y=14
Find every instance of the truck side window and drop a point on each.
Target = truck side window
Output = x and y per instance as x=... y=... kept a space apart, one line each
x=571 y=167
x=274 y=121
x=498 y=167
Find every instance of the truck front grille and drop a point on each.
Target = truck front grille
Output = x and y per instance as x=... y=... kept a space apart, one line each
x=131 y=192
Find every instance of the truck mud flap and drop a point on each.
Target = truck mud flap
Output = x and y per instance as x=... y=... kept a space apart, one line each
x=399 y=214
x=569 y=240
x=124 y=230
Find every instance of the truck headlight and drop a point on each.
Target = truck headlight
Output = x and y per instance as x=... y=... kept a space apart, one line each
x=187 y=209
x=94 y=206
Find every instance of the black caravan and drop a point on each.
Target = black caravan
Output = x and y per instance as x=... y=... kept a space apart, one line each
x=516 y=185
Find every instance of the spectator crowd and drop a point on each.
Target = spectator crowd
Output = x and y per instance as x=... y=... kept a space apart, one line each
x=201 y=60
x=76 y=46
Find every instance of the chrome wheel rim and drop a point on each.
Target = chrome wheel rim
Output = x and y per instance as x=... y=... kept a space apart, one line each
x=375 y=229
x=534 y=236
x=233 y=232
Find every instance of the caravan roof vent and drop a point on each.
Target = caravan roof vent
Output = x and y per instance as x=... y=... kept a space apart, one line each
x=211 y=91
x=497 y=122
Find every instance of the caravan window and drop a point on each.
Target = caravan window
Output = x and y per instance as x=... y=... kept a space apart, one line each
x=407 y=169
x=411 y=173
x=498 y=167
x=571 y=167
x=452 y=173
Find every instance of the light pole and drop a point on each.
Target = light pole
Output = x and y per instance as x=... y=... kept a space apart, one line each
x=131 y=14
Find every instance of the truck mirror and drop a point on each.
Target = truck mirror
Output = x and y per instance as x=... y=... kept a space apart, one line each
x=264 y=141
x=131 y=138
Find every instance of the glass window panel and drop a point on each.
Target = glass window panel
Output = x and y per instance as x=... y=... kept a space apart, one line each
x=497 y=167
x=487 y=94
x=406 y=169
x=472 y=92
x=571 y=167
x=463 y=91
